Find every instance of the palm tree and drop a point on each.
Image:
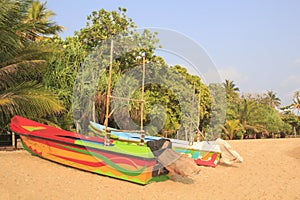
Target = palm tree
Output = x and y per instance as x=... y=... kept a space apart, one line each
x=38 y=21
x=245 y=109
x=28 y=99
x=296 y=102
x=230 y=88
x=231 y=127
x=271 y=99
x=21 y=67
x=295 y=105
x=9 y=40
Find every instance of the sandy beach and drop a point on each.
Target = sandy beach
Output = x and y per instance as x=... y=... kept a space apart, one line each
x=271 y=170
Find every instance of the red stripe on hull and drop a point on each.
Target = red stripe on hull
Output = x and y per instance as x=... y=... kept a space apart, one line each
x=117 y=158
x=86 y=163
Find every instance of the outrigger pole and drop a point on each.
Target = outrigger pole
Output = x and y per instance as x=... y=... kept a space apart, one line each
x=107 y=132
x=142 y=135
x=142 y=101
x=199 y=116
x=199 y=134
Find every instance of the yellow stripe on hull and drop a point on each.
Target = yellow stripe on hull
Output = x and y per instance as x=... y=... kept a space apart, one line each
x=49 y=152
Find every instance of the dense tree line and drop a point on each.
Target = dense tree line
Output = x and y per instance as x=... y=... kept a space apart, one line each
x=39 y=75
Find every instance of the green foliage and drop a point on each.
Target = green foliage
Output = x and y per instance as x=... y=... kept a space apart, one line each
x=202 y=94
x=296 y=103
x=63 y=67
x=218 y=110
x=88 y=51
x=256 y=116
x=231 y=89
x=92 y=56
x=271 y=99
x=291 y=114
x=10 y=16
x=233 y=128
x=265 y=117
x=103 y=25
x=39 y=77
x=22 y=64
x=38 y=21
x=168 y=98
x=293 y=121
x=28 y=99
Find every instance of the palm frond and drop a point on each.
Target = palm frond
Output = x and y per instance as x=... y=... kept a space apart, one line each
x=9 y=17
x=33 y=51
x=38 y=21
x=25 y=70
x=28 y=99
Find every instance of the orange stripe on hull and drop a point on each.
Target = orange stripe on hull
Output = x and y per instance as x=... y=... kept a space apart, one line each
x=49 y=153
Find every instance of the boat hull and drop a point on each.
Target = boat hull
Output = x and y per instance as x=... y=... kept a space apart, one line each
x=206 y=153
x=128 y=162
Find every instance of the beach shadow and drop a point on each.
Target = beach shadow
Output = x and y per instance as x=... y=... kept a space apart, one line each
x=181 y=179
x=228 y=165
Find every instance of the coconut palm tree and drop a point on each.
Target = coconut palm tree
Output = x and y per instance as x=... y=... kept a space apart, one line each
x=296 y=102
x=38 y=21
x=9 y=40
x=245 y=109
x=295 y=106
x=22 y=64
x=271 y=99
x=230 y=88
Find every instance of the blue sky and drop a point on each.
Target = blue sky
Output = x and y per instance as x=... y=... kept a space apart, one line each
x=254 y=43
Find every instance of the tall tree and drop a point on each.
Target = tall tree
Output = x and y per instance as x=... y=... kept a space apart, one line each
x=293 y=120
x=230 y=88
x=293 y=112
x=87 y=55
x=218 y=110
x=10 y=41
x=103 y=25
x=22 y=64
x=38 y=21
x=202 y=96
x=295 y=105
x=296 y=102
x=271 y=99
x=245 y=109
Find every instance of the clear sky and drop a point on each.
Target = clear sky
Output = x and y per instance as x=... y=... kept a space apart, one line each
x=254 y=43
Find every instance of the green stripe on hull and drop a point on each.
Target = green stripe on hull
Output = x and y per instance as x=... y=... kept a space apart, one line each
x=129 y=149
x=108 y=162
x=127 y=172
x=136 y=180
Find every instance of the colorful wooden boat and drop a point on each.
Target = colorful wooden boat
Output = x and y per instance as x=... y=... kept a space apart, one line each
x=129 y=162
x=205 y=153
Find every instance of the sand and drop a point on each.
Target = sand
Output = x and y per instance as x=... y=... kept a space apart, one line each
x=271 y=170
